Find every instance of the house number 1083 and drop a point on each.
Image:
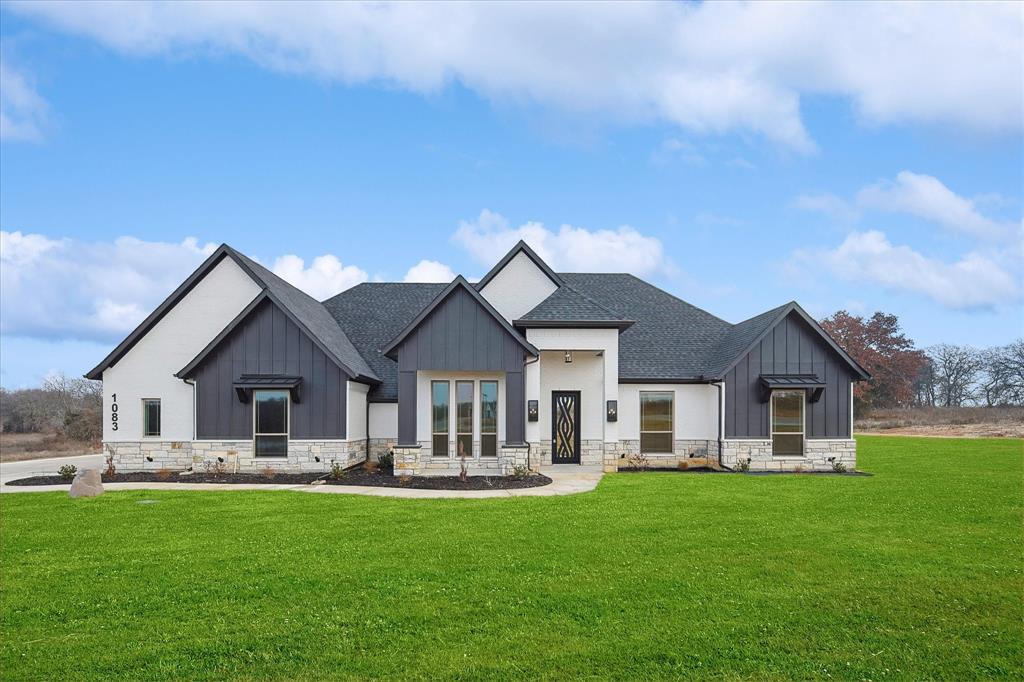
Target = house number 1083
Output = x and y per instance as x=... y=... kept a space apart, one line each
x=113 y=412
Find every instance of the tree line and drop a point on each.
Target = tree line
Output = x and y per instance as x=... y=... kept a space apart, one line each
x=943 y=375
x=65 y=405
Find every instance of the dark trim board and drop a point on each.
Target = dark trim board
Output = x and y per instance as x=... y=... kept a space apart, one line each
x=573 y=324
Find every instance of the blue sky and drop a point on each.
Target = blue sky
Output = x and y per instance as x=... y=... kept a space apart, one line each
x=738 y=173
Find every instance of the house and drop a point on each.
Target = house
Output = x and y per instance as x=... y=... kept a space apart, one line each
x=527 y=367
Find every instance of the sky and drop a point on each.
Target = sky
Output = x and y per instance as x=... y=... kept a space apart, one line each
x=847 y=156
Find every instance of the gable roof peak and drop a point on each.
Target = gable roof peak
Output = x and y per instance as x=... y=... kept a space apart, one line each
x=521 y=247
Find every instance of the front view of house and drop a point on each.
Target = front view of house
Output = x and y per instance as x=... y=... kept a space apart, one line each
x=525 y=368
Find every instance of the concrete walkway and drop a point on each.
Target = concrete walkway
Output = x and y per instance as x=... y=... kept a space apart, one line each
x=563 y=482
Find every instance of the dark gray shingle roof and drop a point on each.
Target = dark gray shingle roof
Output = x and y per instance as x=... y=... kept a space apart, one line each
x=739 y=337
x=567 y=304
x=374 y=313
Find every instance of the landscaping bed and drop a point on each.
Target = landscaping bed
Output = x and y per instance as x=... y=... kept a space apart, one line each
x=383 y=478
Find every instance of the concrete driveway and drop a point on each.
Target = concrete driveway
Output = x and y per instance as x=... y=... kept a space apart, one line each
x=45 y=467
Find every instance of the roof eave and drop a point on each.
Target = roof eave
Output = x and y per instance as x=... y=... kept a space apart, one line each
x=569 y=324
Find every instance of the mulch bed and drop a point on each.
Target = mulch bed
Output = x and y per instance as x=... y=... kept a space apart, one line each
x=383 y=478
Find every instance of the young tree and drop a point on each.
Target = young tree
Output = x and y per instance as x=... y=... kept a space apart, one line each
x=883 y=350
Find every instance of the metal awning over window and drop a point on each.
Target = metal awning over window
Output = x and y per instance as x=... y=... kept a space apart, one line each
x=809 y=382
x=245 y=384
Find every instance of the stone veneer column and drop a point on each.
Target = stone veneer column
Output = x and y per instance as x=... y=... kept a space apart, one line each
x=407 y=460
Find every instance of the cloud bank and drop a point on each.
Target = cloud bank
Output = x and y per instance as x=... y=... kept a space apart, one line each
x=708 y=68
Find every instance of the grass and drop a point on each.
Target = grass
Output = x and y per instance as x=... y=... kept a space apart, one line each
x=913 y=573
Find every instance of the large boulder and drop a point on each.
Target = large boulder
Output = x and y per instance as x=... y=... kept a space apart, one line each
x=87 y=483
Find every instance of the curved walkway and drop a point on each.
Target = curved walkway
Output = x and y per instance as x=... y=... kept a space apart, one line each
x=562 y=483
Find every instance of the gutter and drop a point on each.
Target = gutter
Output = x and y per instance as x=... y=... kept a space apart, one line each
x=529 y=460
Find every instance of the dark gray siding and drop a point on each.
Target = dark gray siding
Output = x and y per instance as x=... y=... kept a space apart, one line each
x=460 y=335
x=268 y=342
x=790 y=347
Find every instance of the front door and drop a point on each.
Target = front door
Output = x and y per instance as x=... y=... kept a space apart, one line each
x=565 y=427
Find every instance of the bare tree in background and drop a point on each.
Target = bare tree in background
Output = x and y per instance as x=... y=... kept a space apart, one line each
x=70 y=406
x=957 y=369
x=1002 y=381
x=924 y=385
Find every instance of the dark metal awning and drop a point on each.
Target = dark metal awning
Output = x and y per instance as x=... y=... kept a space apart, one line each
x=245 y=384
x=809 y=382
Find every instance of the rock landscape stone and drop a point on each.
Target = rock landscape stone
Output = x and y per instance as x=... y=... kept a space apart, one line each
x=87 y=483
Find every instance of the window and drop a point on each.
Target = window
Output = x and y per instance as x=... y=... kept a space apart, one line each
x=151 y=417
x=788 y=423
x=464 y=418
x=488 y=418
x=270 y=423
x=656 y=433
x=439 y=417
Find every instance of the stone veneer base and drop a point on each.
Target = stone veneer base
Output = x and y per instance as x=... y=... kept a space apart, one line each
x=819 y=455
x=234 y=455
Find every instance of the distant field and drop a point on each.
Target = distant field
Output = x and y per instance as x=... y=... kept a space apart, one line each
x=953 y=422
x=913 y=573
x=16 y=447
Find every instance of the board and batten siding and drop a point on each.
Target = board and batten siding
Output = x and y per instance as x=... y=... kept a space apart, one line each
x=460 y=335
x=268 y=342
x=791 y=347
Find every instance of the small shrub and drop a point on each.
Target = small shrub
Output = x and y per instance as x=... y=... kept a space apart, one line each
x=404 y=479
x=743 y=465
x=215 y=467
x=387 y=460
x=164 y=474
x=67 y=471
x=798 y=469
x=111 y=469
x=639 y=461
x=369 y=466
x=683 y=465
x=520 y=471
x=463 y=468
x=838 y=467
x=268 y=473
x=337 y=472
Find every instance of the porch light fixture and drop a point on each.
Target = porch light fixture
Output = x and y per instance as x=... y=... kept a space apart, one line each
x=568 y=356
x=613 y=410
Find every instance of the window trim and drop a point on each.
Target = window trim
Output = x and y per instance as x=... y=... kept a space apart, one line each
x=145 y=422
x=497 y=408
x=672 y=420
x=447 y=422
x=803 y=423
x=472 y=416
x=287 y=423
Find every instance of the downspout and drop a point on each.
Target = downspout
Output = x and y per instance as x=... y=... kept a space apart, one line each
x=367 y=425
x=529 y=462
x=721 y=399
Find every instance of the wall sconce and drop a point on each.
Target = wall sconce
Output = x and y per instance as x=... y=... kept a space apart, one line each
x=568 y=356
x=531 y=410
x=613 y=410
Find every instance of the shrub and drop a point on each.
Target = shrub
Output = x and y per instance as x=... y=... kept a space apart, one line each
x=67 y=471
x=215 y=467
x=639 y=461
x=164 y=474
x=337 y=472
x=369 y=466
x=404 y=479
x=683 y=465
x=268 y=473
x=520 y=471
x=838 y=466
x=387 y=460
x=743 y=465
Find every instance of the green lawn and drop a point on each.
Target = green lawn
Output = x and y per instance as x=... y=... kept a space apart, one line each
x=913 y=573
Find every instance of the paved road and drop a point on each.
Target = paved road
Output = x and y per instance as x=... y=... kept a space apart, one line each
x=36 y=467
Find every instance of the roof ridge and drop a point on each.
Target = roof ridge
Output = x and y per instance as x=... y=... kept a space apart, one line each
x=588 y=299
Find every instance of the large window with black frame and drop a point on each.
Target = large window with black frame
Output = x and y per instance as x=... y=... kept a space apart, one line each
x=488 y=418
x=439 y=418
x=270 y=422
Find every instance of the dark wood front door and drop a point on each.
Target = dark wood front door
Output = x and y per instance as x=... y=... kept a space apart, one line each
x=565 y=427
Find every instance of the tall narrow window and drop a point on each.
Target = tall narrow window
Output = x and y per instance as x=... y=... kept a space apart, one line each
x=656 y=421
x=464 y=418
x=151 y=417
x=439 y=418
x=270 y=423
x=489 y=418
x=788 y=423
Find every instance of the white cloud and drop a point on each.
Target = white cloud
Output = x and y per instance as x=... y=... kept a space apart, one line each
x=830 y=205
x=674 y=148
x=325 y=276
x=573 y=249
x=429 y=271
x=707 y=67
x=22 y=111
x=974 y=281
x=926 y=197
x=99 y=291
